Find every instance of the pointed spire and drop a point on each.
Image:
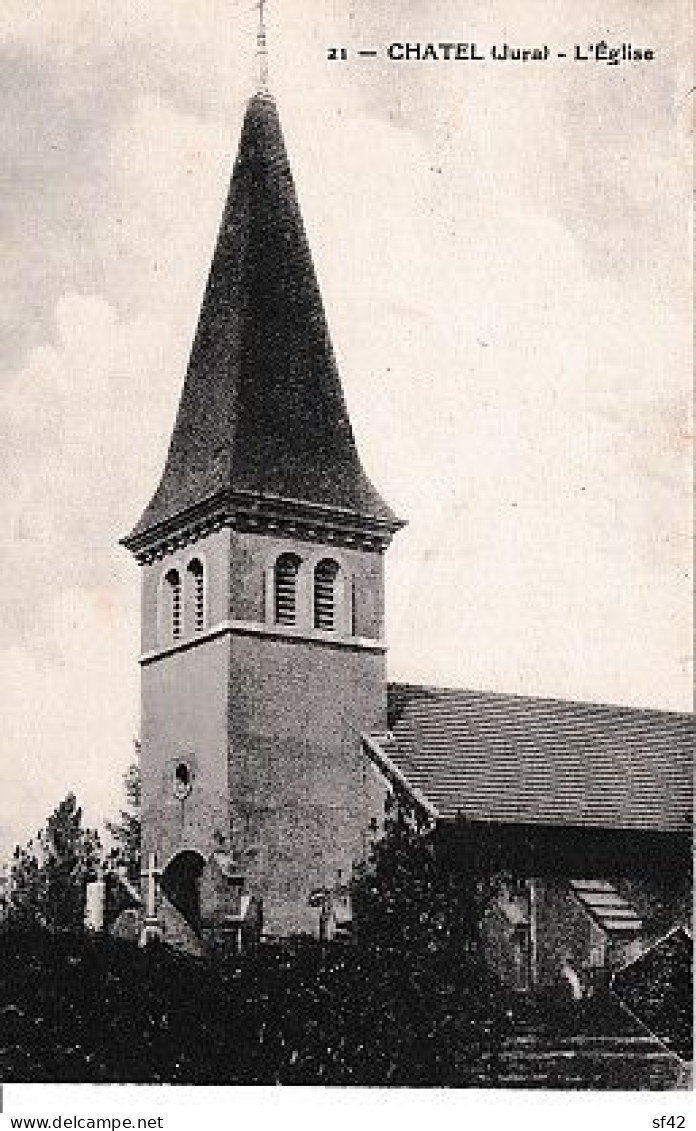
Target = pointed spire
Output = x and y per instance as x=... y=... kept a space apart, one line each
x=262 y=423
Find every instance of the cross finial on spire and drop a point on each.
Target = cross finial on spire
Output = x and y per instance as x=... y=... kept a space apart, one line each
x=261 y=48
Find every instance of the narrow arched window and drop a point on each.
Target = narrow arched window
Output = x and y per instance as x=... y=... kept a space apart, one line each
x=285 y=588
x=173 y=589
x=325 y=586
x=196 y=589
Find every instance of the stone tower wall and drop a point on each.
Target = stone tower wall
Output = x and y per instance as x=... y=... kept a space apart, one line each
x=266 y=717
x=298 y=701
x=184 y=716
x=299 y=796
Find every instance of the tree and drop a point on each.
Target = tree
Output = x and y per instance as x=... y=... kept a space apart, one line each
x=415 y=896
x=26 y=897
x=126 y=831
x=50 y=874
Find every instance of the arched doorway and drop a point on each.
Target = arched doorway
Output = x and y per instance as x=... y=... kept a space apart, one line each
x=180 y=883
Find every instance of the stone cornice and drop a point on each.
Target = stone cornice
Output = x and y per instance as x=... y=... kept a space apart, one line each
x=263 y=514
x=259 y=628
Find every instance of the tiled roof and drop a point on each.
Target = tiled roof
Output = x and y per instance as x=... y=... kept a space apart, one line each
x=262 y=410
x=507 y=758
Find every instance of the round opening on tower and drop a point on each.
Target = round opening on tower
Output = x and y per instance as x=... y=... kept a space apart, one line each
x=183 y=780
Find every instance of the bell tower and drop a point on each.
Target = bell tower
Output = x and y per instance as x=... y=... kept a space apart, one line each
x=263 y=656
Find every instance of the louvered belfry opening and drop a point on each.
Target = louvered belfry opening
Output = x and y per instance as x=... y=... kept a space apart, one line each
x=286 y=571
x=325 y=578
x=197 y=580
x=174 y=588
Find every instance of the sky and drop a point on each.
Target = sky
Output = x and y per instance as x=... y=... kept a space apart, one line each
x=503 y=251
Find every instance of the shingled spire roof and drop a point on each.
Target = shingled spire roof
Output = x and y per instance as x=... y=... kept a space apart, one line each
x=262 y=416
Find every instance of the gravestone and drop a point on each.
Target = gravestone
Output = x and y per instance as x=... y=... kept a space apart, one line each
x=232 y=916
x=95 y=905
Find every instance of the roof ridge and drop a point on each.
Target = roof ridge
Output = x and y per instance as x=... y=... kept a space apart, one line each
x=484 y=693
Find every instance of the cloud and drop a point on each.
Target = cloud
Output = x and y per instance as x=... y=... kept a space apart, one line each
x=69 y=711
x=81 y=456
x=76 y=431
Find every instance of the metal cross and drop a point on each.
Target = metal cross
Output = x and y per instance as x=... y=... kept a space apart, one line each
x=261 y=48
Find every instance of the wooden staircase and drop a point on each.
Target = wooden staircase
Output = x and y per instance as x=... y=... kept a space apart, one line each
x=623 y=1063
x=608 y=908
x=630 y=1059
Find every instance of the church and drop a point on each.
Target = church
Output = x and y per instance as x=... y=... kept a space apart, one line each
x=270 y=733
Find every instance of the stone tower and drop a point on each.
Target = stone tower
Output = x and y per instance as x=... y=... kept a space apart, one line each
x=262 y=573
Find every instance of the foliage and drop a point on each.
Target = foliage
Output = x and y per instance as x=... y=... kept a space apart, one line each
x=414 y=895
x=85 y=1010
x=49 y=874
x=127 y=830
x=657 y=987
x=293 y=1013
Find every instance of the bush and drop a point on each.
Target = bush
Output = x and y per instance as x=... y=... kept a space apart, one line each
x=414 y=897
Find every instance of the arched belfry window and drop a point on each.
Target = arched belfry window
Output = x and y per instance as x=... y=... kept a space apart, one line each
x=325 y=594
x=287 y=568
x=195 y=580
x=172 y=582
